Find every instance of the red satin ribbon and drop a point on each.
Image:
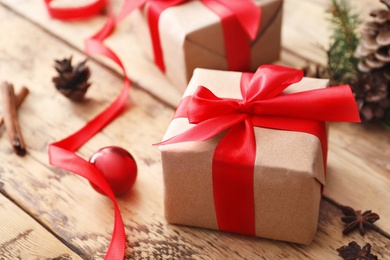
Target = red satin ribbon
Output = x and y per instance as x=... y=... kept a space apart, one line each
x=240 y=22
x=62 y=153
x=81 y=12
x=263 y=105
x=153 y=14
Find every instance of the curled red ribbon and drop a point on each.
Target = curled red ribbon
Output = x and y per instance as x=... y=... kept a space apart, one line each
x=240 y=22
x=62 y=153
x=263 y=105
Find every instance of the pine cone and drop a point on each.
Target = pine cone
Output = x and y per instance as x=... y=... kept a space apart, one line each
x=72 y=81
x=372 y=86
x=372 y=95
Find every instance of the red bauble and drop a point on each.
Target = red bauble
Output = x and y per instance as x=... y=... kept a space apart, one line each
x=118 y=167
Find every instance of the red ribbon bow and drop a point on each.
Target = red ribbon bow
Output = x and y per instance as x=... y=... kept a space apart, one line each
x=240 y=21
x=263 y=105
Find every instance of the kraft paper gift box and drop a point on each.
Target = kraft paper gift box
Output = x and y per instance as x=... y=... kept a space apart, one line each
x=288 y=173
x=192 y=37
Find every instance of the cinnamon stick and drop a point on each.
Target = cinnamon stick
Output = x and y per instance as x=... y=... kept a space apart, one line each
x=11 y=119
x=19 y=98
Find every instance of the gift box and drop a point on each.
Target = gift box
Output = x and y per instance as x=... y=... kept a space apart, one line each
x=191 y=34
x=251 y=161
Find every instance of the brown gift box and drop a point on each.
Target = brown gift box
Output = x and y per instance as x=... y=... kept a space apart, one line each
x=191 y=37
x=288 y=174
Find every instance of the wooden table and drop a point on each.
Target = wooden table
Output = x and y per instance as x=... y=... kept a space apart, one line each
x=48 y=213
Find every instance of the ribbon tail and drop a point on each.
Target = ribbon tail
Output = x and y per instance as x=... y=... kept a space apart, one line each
x=205 y=130
x=342 y=105
x=106 y=30
x=93 y=46
x=77 y=139
x=67 y=160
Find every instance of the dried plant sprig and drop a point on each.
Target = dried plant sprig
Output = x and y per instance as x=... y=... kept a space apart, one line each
x=355 y=219
x=354 y=251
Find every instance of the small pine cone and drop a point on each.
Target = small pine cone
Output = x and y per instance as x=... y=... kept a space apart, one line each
x=72 y=81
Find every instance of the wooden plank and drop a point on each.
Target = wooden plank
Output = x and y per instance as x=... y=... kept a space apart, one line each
x=358 y=169
x=23 y=238
x=69 y=207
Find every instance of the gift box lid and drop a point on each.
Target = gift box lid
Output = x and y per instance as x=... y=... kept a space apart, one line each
x=203 y=27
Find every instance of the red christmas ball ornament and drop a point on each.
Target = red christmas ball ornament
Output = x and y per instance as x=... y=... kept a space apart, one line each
x=118 y=167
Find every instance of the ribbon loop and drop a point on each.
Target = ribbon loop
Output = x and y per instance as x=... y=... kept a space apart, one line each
x=269 y=81
x=205 y=105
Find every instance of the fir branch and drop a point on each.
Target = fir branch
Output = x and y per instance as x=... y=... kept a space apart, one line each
x=342 y=65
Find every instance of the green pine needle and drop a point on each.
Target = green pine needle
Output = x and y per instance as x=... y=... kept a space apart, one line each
x=342 y=65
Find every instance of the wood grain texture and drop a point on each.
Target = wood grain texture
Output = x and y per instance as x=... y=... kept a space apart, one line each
x=24 y=238
x=358 y=169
